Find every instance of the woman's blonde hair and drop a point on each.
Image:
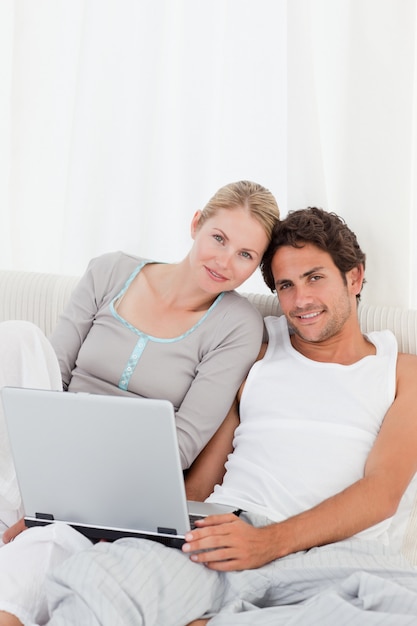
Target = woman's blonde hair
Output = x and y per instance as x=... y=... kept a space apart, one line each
x=257 y=200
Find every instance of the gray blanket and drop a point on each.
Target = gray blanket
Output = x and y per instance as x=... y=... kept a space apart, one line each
x=133 y=582
x=362 y=599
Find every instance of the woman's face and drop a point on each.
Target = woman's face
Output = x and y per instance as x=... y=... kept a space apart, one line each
x=227 y=249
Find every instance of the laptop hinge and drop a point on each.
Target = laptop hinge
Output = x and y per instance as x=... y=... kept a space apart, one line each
x=167 y=531
x=45 y=516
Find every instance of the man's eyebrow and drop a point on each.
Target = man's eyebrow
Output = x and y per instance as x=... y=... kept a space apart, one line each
x=318 y=268
x=313 y=270
x=282 y=280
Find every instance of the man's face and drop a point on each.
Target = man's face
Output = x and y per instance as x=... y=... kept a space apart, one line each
x=312 y=292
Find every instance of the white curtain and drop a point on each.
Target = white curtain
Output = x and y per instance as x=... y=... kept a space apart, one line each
x=352 y=114
x=119 y=118
x=125 y=116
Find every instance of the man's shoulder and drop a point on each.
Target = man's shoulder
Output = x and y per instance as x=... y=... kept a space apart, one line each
x=384 y=340
x=406 y=371
x=275 y=323
x=407 y=362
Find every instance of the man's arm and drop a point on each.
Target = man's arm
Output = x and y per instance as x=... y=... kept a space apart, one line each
x=391 y=465
x=208 y=468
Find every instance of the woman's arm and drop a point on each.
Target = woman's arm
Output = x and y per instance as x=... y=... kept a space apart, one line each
x=73 y=326
x=209 y=467
x=78 y=317
x=228 y=349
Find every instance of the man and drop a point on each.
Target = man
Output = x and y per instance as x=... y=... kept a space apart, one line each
x=325 y=448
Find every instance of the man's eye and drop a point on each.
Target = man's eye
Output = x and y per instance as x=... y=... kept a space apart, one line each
x=314 y=278
x=283 y=286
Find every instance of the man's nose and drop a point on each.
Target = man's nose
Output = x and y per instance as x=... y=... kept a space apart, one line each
x=302 y=295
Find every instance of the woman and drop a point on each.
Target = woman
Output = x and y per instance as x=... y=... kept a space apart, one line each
x=174 y=331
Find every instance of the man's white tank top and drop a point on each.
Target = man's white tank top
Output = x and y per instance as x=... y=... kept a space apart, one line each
x=306 y=427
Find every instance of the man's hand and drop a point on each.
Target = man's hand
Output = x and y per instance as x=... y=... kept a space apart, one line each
x=229 y=544
x=13 y=531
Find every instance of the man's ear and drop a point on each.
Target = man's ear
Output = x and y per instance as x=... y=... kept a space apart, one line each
x=195 y=222
x=355 y=279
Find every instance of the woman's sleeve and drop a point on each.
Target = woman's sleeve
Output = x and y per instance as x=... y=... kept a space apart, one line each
x=218 y=378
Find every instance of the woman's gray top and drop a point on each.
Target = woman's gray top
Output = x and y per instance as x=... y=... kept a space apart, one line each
x=199 y=372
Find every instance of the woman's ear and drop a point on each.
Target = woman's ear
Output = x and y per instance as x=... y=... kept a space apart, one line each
x=195 y=222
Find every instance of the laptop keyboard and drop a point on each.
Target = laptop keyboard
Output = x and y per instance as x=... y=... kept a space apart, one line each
x=194 y=518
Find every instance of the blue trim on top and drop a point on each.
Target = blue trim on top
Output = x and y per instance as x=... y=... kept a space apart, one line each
x=132 y=362
x=144 y=338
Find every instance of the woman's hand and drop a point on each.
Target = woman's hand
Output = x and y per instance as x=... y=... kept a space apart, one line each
x=13 y=531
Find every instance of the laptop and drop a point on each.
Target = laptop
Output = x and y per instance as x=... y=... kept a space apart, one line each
x=107 y=465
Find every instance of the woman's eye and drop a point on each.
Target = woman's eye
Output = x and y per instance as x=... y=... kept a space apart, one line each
x=246 y=255
x=218 y=238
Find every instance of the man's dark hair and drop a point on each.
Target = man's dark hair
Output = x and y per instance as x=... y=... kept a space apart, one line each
x=327 y=231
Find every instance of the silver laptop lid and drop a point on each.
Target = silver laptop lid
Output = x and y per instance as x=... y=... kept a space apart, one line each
x=105 y=461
